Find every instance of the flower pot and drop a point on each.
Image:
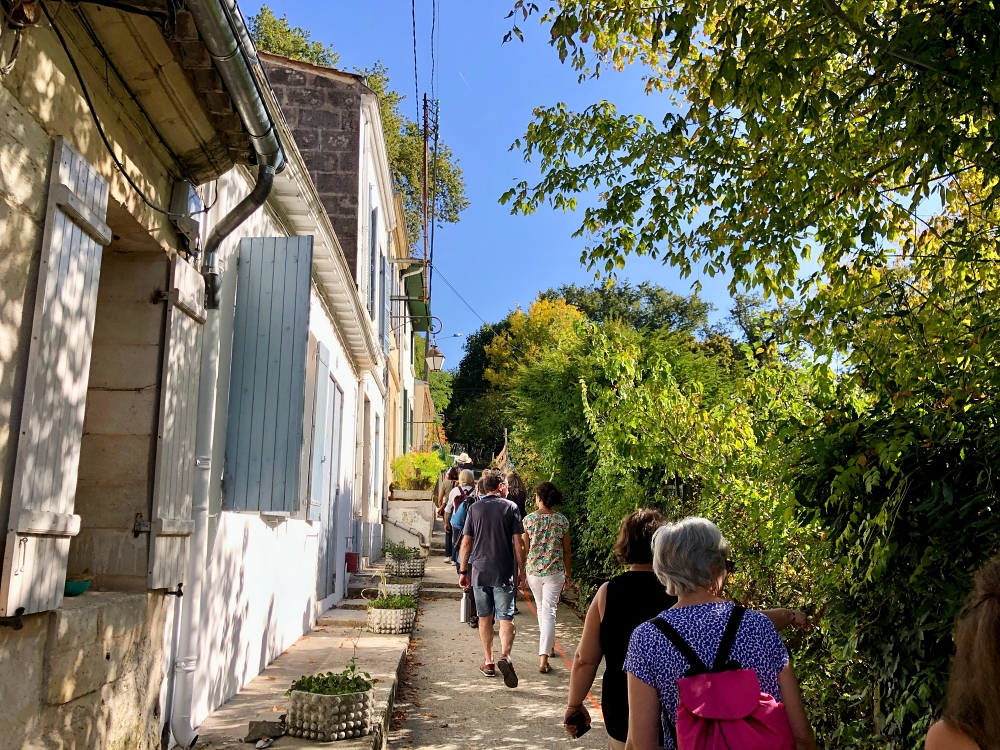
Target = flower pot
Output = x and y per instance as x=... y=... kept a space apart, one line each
x=392 y=621
x=402 y=589
x=405 y=568
x=325 y=718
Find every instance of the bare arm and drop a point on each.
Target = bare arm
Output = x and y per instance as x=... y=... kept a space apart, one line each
x=943 y=737
x=792 y=698
x=521 y=553
x=567 y=559
x=586 y=660
x=464 y=580
x=643 y=716
x=782 y=618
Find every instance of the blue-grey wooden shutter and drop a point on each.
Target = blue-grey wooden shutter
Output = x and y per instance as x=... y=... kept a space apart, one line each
x=320 y=451
x=372 y=263
x=264 y=437
x=42 y=521
x=386 y=322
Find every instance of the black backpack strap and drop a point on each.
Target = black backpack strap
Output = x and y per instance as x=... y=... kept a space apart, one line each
x=728 y=639
x=697 y=665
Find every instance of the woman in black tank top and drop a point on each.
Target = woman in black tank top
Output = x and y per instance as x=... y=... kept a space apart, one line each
x=620 y=606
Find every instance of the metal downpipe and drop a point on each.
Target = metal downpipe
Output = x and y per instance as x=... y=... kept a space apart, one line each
x=181 y=714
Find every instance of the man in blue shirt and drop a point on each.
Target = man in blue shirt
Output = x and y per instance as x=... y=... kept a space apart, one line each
x=492 y=545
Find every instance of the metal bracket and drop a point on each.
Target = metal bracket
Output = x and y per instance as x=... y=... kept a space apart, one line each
x=179 y=592
x=140 y=526
x=14 y=622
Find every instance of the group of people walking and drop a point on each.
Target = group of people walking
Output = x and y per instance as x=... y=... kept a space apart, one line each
x=684 y=666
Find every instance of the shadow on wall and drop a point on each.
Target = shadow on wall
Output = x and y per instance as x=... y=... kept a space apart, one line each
x=84 y=676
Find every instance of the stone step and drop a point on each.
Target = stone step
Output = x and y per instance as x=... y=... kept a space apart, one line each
x=343 y=618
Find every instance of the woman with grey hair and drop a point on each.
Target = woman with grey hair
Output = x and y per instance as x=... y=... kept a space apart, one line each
x=691 y=558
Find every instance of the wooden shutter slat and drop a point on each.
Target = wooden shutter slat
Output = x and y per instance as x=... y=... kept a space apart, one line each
x=320 y=450
x=173 y=487
x=42 y=521
x=264 y=442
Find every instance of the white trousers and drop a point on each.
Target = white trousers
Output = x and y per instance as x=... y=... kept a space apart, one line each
x=545 y=590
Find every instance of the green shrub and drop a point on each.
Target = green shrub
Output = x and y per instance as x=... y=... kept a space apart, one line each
x=351 y=680
x=417 y=470
x=393 y=602
x=399 y=551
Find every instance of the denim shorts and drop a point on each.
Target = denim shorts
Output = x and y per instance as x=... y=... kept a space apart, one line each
x=498 y=599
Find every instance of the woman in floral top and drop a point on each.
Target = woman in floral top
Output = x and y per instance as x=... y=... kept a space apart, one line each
x=546 y=535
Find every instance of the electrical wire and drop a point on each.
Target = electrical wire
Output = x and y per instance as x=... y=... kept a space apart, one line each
x=416 y=80
x=100 y=128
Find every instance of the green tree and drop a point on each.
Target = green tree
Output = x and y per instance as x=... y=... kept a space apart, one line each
x=794 y=129
x=645 y=305
x=404 y=141
x=277 y=35
x=404 y=138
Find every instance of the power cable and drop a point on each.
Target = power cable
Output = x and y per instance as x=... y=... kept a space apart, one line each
x=416 y=80
x=100 y=128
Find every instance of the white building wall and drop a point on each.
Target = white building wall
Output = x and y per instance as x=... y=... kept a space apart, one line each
x=260 y=589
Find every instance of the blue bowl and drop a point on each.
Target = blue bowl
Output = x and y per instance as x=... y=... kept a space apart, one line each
x=75 y=588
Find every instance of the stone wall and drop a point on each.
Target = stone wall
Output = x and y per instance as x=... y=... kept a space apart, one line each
x=323 y=109
x=87 y=675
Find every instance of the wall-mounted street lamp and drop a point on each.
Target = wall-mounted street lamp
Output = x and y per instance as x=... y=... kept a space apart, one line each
x=435 y=359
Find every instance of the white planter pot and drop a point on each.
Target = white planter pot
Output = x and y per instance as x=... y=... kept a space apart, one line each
x=392 y=621
x=325 y=718
x=405 y=568
x=402 y=589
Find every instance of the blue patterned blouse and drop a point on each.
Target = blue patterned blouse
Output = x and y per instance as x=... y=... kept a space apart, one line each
x=654 y=659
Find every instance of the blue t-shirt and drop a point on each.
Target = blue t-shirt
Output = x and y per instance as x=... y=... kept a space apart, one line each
x=657 y=662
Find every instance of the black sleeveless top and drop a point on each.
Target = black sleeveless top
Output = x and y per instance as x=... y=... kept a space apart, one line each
x=632 y=598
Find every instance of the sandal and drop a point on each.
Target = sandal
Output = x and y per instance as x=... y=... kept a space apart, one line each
x=546 y=669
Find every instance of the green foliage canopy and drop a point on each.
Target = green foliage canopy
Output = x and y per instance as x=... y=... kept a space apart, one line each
x=277 y=35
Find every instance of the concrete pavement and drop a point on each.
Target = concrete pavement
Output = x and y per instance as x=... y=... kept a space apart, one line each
x=444 y=703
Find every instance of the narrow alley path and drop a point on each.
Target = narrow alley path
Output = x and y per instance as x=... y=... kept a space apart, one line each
x=445 y=703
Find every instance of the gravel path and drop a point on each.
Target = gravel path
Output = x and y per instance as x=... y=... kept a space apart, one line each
x=445 y=703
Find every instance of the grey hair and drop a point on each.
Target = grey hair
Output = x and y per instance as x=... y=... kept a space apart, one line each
x=689 y=555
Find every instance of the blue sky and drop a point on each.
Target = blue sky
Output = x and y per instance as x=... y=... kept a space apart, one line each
x=487 y=92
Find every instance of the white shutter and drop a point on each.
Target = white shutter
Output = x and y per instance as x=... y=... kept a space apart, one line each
x=386 y=321
x=175 y=460
x=55 y=390
x=320 y=449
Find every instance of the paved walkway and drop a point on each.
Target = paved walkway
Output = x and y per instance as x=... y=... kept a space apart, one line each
x=446 y=704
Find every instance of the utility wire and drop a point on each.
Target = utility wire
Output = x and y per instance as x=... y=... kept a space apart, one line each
x=100 y=128
x=416 y=80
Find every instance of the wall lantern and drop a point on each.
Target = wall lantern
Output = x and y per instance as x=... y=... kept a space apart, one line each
x=435 y=359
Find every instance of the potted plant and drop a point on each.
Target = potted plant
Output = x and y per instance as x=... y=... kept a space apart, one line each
x=401 y=586
x=415 y=474
x=327 y=707
x=402 y=560
x=392 y=614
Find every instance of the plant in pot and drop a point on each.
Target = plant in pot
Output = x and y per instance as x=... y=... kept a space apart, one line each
x=417 y=470
x=402 y=586
x=392 y=614
x=402 y=560
x=327 y=707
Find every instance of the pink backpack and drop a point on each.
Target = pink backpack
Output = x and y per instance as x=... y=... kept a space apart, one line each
x=722 y=708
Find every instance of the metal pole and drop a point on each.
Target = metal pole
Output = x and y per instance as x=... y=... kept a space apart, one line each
x=425 y=194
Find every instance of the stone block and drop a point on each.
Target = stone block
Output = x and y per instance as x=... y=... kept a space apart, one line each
x=110 y=506
x=206 y=79
x=114 y=459
x=218 y=103
x=315 y=118
x=74 y=664
x=128 y=323
x=114 y=412
x=336 y=140
x=22 y=656
x=143 y=369
x=194 y=55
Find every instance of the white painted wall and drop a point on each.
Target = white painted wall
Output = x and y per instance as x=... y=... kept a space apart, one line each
x=260 y=590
